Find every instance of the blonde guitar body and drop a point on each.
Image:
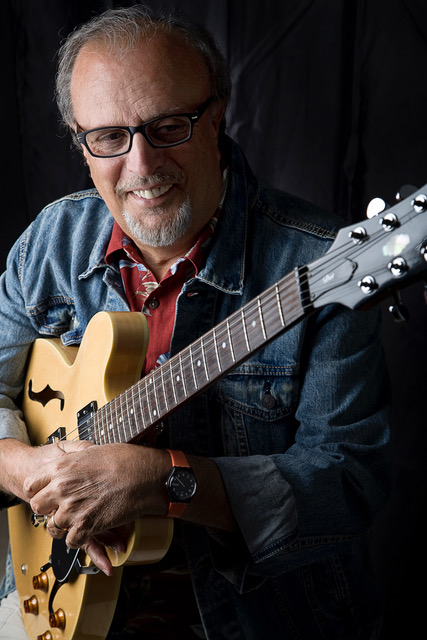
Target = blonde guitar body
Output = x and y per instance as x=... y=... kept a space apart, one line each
x=60 y=382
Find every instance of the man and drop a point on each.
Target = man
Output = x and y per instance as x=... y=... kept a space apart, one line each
x=288 y=451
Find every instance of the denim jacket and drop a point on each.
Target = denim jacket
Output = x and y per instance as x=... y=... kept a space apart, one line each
x=299 y=431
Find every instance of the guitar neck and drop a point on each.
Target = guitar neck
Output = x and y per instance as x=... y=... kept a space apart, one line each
x=146 y=404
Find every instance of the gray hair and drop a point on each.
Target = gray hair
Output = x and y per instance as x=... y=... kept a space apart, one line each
x=120 y=30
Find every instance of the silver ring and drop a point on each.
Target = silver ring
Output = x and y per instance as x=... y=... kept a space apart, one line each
x=56 y=526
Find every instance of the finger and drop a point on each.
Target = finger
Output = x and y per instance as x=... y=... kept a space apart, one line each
x=71 y=446
x=96 y=553
x=113 y=538
x=36 y=482
x=55 y=530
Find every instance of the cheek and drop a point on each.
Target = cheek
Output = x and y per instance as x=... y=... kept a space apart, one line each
x=104 y=174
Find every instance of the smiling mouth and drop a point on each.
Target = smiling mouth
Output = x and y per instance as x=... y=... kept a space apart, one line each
x=150 y=194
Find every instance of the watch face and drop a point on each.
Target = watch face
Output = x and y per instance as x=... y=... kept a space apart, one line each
x=181 y=484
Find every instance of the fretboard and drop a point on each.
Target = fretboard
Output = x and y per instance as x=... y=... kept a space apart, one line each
x=157 y=395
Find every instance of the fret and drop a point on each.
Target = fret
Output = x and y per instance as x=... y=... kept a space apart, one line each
x=242 y=314
x=102 y=430
x=139 y=403
x=230 y=342
x=155 y=397
x=171 y=384
x=164 y=389
x=147 y=395
x=193 y=371
x=176 y=379
x=261 y=318
x=184 y=388
x=98 y=432
x=204 y=359
x=121 y=419
x=216 y=350
x=197 y=359
x=108 y=421
x=279 y=306
x=133 y=412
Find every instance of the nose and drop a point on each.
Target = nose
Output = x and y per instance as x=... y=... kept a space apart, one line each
x=143 y=159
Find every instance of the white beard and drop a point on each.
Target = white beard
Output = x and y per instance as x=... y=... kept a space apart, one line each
x=166 y=233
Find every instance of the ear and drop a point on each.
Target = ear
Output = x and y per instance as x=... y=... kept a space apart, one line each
x=218 y=110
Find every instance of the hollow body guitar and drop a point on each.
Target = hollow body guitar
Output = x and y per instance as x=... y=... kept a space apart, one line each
x=94 y=392
x=61 y=596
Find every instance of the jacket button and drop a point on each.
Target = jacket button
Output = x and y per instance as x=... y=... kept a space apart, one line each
x=268 y=401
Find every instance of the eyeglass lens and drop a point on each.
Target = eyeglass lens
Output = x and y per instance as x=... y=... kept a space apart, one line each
x=161 y=133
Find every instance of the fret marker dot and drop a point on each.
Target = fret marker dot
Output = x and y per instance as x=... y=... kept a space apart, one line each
x=178 y=378
x=131 y=411
x=154 y=412
x=253 y=323
x=224 y=345
x=199 y=363
x=102 y=432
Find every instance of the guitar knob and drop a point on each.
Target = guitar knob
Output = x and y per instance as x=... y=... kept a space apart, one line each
x=368 y=284
x=31 y=605
x=57 y=619
x=45 y=636
x=41 y=582
x=423 y=250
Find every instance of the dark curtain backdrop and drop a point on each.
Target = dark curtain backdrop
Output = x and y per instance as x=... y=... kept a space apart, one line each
x=329 y=103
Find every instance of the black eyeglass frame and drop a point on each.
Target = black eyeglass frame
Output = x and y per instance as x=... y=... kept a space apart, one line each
x=192 y=117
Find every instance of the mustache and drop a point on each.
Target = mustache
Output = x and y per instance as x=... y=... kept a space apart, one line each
x=137 y=183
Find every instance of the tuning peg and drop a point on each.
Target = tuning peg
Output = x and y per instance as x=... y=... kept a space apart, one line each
x=420 y=203
x=405 y=191
x=398 y=310
x=375 y=207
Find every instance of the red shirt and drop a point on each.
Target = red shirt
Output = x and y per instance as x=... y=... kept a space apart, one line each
x=157 y=300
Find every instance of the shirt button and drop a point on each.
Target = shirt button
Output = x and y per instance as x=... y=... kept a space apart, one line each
x=153 y=303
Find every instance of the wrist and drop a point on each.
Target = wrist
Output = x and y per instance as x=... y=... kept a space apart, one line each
x=181 y=484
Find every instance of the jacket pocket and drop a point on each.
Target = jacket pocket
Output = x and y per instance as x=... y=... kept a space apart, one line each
x=257 y=410
x=56 y=317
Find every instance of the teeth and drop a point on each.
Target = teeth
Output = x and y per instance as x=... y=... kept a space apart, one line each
x=149 y=194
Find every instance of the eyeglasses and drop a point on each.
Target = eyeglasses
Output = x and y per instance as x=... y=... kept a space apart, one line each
x=166 y=131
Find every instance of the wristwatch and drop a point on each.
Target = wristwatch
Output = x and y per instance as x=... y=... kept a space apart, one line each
x=181 y=484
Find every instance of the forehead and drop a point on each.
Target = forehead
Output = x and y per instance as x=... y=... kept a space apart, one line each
x=161 y=73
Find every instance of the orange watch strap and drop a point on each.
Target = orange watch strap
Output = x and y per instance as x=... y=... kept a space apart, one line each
x=178 y=459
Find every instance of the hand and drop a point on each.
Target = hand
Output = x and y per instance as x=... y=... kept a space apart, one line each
x=18 y=460
x=97 y=488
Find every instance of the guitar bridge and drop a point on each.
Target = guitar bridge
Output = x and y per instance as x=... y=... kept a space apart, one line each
x=57 y=435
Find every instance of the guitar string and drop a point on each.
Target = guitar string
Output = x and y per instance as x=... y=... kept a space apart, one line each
x=269 y=306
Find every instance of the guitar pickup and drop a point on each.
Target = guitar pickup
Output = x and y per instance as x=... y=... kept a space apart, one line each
x=84 y=421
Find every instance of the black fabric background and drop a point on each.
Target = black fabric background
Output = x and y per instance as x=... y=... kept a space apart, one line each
x=329 y=103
